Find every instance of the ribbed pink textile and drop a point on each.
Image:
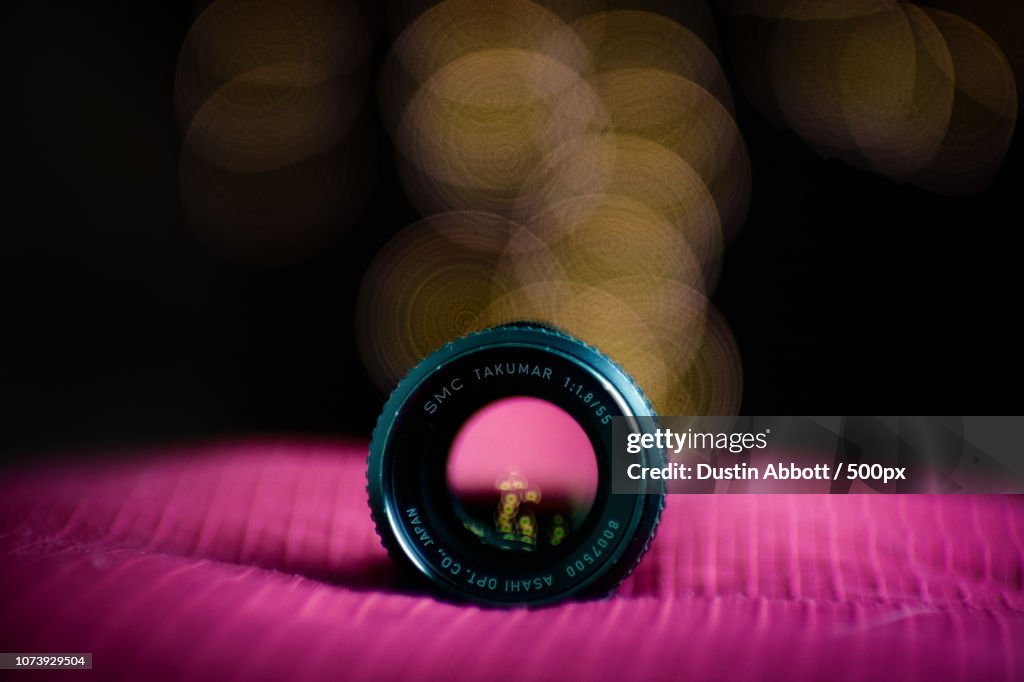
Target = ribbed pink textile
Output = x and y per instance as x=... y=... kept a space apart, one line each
x=257 y=560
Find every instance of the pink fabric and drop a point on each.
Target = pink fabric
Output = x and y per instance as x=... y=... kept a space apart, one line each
x=258 y=561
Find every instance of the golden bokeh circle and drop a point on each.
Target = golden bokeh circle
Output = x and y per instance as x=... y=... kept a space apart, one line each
x=685 y=118
x=478 y=128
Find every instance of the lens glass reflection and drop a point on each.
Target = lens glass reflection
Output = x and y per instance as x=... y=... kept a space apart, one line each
x=522 y=474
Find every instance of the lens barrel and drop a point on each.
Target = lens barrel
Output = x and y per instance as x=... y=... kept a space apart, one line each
x=489 y=474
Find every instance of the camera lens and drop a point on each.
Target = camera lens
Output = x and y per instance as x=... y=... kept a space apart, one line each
x=489 y=473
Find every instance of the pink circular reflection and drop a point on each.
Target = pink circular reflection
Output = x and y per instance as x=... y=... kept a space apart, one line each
x=528 y=445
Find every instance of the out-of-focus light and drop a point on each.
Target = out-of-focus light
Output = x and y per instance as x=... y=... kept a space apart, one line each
x=713 y=383
x=1003 y=22
x=289 y=44
x=267 y=95
x=480 y=126
x=428 y=286
x=260 y=121
x=639 y=169
x=685 y=118
x=596 y=238
x=918 y=95
x=676 y=315
x=456 y=28
x=626 y=39
x=583 y=170
x=593 y=314
x=984 y=111
x=450 y=30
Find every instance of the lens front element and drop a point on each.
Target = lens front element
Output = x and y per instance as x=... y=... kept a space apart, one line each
x=522 y=474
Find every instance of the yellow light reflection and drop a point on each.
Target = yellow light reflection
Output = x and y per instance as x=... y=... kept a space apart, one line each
x=267 y=95
x=480 y=126
x=629 y=39
x=638 y=169
x=916 y=94
x=685 y=118
x=427 y=287
x=585 y=172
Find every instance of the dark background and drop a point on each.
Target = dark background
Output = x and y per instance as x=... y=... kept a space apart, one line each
x=847 y=294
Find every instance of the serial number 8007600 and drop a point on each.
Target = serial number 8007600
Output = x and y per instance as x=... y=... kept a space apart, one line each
x=596 y=550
